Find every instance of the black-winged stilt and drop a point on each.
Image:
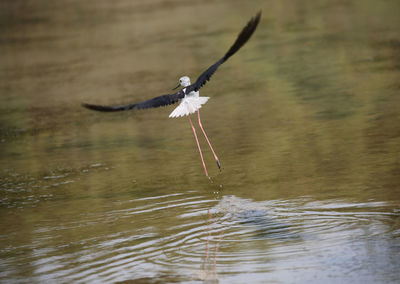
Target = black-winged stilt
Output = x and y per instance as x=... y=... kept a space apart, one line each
x=191 y=102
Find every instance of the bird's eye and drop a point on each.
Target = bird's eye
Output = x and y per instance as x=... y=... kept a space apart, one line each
x=180 y=81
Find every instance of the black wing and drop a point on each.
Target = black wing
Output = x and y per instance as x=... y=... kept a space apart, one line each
x=163 y=100
x=242 y=38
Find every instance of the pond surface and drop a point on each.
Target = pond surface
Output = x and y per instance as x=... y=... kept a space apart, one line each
x=305 y=121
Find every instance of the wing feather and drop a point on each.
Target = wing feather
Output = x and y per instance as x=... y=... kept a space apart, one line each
x=242 y=38
x=159 y=101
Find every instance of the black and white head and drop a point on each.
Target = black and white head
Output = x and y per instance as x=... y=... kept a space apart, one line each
x=183 y=81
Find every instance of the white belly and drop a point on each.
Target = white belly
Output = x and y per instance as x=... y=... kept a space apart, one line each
x=189 y=104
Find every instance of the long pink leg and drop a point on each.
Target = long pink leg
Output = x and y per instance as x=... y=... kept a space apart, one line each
x=198 y=145
x=208 y=141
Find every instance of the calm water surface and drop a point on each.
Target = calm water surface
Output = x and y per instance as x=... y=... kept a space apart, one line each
x=305 y=120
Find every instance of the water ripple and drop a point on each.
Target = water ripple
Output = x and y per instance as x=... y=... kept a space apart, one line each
x=191 y=236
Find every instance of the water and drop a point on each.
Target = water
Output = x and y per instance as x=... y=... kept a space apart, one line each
x=304 y=120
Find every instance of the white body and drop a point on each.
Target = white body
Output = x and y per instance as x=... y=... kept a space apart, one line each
x=190 y=103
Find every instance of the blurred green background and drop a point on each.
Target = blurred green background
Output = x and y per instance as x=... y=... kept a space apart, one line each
x=307 y=111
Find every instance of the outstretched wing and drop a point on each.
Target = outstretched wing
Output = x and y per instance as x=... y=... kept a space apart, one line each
x=163 y=100
x=242 y=38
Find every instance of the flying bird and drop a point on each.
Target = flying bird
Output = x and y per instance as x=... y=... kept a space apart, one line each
x=189 y=97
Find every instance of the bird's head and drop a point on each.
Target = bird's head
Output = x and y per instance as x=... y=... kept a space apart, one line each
x=183 y=81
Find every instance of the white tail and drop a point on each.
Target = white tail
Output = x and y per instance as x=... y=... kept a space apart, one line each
x=188 y=106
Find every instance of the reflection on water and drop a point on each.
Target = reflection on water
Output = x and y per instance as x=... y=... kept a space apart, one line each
x=193 y=237
x=304 y=120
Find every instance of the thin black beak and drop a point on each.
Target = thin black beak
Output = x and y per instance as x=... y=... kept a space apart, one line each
x=176 y=87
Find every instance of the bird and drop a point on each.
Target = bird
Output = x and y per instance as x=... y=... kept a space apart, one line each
x=189 y=97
